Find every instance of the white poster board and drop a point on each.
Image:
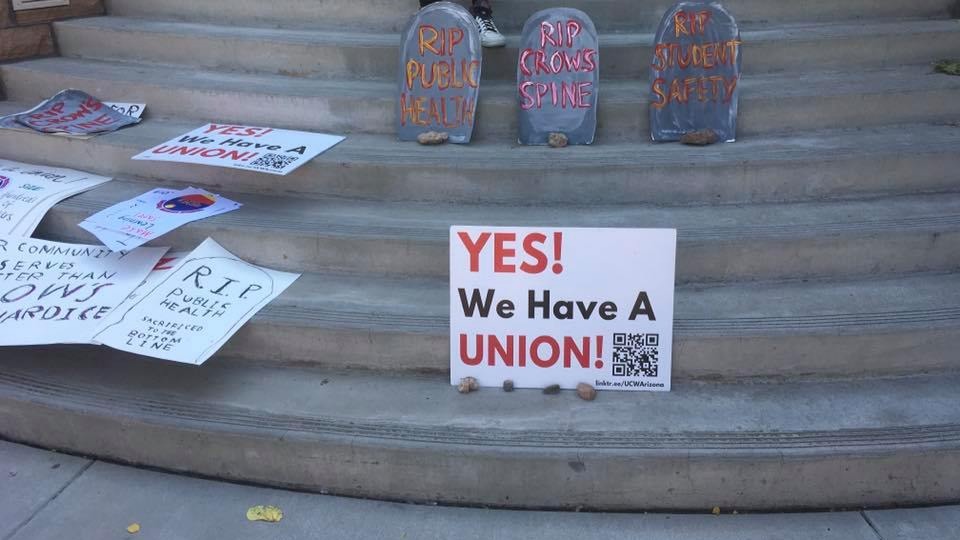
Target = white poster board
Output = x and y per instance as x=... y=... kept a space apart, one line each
x=544 y=306
x=28 y=192
x=132 y=223
x=194 y=308
x=59 y=293
x=266 y=150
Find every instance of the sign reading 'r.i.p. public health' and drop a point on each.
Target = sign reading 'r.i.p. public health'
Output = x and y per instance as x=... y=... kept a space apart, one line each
x=543 y=306
x=439 y=74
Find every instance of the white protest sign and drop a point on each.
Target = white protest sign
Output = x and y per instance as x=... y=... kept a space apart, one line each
x=59 y=293
x=168 y=262
x=130 y=109
x=28 y=192
x=273 y=151
x=195 y=308
x=544 y=306
x=132 y=223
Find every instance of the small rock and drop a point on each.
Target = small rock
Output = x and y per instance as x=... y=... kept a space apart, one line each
x=133 y=528
x=508 y=385
x=552 y=389
x=467 y=385
x=433 y=137
x=557 y=140
x=701 y=137
x=586 y=392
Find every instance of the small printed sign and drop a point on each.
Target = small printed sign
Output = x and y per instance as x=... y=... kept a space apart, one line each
x=545 y=306
x=130 y=224
x=439 y=74
x=259 y=149
x=28 y=192
x=695 y=72
x=188 y=312
x=60 y=293
x=73 y=112
x=558 y=77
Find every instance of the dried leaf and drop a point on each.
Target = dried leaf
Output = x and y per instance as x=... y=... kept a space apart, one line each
x=716 y=511
x=133 y=528
x=270 y=514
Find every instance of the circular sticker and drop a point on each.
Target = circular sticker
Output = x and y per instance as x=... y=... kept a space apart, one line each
x=187 y=203
x=4 y=181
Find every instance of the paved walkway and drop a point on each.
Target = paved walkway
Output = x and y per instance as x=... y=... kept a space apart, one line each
x=45 y=495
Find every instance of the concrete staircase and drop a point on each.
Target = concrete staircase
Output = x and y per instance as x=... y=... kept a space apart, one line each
x=818 y=308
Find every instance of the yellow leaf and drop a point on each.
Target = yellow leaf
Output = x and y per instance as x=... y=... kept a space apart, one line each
x=133 y=528
x=716 y=510
x=270 y=514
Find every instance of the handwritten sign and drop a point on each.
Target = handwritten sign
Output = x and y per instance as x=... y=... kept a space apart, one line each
x=558 y=77
x=73 y=112
x=60 y=293
x=28 y=192
x=439 y=73
x=267 y=150
x=195 y=308
x=130 y=224
x=130 y=109
x=543 y=306
x=695 y=72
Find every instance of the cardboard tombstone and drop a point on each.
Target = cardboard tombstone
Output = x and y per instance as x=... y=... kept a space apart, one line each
x=558 y=77
x=695 y=73
x=73 y=112
x=439 y=73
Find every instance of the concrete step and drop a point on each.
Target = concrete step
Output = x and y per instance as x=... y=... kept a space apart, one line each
x=732 y=332
x=769 y=104
x=332 y=54
x=65 y=502
x=413 y=438
x=716 y=243
x=802 y=166
x=392 y=15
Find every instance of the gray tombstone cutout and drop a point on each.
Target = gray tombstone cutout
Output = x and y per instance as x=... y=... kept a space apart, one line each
x=439 y=73
x=695 y=73
x=558 y=77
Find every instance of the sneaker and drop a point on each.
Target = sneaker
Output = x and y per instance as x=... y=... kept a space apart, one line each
x=489 y=35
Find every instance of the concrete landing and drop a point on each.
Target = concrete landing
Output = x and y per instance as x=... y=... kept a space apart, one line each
x=95 y=500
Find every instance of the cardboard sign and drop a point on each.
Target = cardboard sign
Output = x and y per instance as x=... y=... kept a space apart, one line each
x=544 y=306
x=558 y=77
x=439 y=73
x=195 y=308
x=60 y=293
x=28 y=192
x=75 y=113
x=695 y=72
x=130 y=224
x=267 y=150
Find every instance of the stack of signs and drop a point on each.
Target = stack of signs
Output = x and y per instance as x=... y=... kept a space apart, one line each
x=273 y=151
x=439 y=74
x=130 y=224
x=558 y=77
x=72 y=113
x=695 y=72
x=60 y=293
x=188 y=312
x=27 y=192
x=545 y=306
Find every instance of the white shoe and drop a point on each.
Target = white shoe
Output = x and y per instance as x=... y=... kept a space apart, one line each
x=489 y=35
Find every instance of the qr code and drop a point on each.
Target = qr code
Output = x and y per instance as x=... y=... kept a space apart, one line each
x=636 y=355
x=273 y=161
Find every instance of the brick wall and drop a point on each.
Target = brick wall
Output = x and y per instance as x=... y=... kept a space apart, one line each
x=26 y=34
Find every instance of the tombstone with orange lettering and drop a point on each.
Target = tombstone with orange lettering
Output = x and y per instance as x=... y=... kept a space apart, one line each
x=558 y=77
x=695 y=73
x=439 y=74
